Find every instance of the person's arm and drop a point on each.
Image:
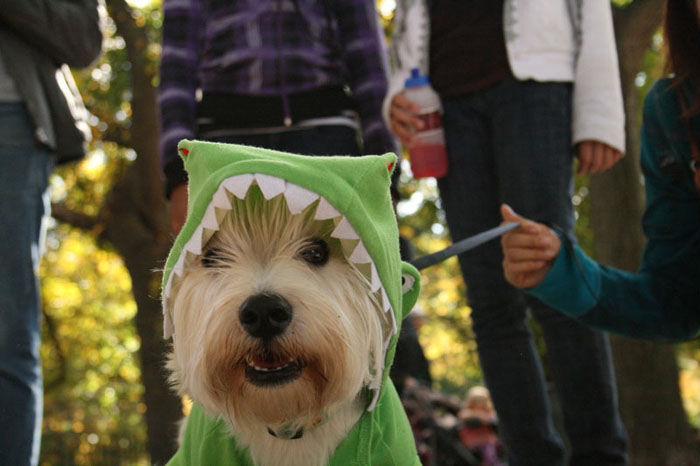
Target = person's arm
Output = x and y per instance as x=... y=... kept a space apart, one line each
x=409 y=49
x=662 y=300
x=178 y=82
x=68 y=31
x=650 y=304
x=362 y=46
x=598 y=127
x=176 y=96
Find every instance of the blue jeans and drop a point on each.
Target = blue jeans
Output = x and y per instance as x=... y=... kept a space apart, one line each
x=23 y=207
x=512 y=143
x=317 y=140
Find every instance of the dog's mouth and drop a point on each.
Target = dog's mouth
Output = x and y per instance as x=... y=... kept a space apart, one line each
x=271 y=371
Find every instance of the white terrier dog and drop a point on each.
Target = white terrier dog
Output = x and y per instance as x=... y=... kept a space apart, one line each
x=281 y=321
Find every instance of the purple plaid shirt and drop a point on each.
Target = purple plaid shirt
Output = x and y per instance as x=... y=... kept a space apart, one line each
x=271 y=47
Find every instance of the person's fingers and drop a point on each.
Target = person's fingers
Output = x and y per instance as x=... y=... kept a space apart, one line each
x=403 y=119
x=401 y=101
x=612 y=156
x=598 y=158
x=525 y=267
x=526 y=225
x=527 y=254
x=585 y=157
x=403 y=132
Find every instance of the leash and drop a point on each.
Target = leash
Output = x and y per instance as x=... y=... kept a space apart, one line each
x=463 y=245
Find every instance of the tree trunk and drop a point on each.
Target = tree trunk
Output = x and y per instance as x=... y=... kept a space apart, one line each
x=143 y=254
x=647 y=372
x=136 y=224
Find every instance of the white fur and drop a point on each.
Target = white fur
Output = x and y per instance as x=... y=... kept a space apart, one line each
x=335 y=330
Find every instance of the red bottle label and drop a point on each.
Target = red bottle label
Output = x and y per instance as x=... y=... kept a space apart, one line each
x=430 y=120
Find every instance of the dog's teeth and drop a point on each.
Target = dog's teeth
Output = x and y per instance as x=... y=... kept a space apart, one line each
x=344 y=230
x=238 y=185
x=270 y=186
x=271 y=369
x=325 y=210
x=298 y=198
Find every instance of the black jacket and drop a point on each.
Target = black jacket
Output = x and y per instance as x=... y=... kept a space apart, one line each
x=39 y=39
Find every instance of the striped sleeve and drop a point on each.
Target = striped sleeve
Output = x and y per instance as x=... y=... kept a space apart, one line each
x=178 y=82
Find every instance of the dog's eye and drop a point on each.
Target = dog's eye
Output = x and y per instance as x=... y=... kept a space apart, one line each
x=315 y=252
x=212 y=258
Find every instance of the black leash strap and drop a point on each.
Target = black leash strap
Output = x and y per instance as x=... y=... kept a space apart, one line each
x=462 y=246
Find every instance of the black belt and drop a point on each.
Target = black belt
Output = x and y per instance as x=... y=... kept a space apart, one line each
x=222 y=110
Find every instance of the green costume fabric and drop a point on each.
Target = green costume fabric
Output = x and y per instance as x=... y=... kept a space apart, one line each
x=381 y=437
x=354 y=191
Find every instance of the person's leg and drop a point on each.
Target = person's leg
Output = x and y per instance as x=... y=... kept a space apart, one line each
x=581 y=365
x=535 y=169
x=23 y=181
x=507 y=353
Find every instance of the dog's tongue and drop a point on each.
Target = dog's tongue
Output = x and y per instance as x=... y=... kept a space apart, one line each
x=269 y=363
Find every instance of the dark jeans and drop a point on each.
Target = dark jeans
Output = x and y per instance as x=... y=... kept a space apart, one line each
x=512 y=143
x=317 y=140
x=23 y=209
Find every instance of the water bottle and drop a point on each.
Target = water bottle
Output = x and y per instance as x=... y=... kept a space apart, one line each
x=427 y=155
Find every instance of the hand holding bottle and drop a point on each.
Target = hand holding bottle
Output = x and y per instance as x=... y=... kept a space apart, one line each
x=416 y=120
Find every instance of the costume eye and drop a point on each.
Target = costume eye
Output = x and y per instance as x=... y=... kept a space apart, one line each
x=315 y=252
x=213 y=259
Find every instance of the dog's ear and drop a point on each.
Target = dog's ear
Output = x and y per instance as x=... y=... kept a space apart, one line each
x=410 y=287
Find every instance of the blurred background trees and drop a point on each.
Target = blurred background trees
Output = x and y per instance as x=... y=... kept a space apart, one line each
x=107 y=400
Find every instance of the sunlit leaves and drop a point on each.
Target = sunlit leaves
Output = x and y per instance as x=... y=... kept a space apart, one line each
x=93 y=408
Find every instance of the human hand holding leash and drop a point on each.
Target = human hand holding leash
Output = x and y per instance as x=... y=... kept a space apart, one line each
x=528 y=251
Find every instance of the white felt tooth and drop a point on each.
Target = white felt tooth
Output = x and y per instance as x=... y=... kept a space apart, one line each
x=385 y=301
x=168 y=327
x=221 y=200
x=375 y=282
x=298 y=198
x=168 y=287
x=375 y=398
x=270 y=186
x=179 y=265
x=209 y=221
x=194 y=244
x=325 y=210
x=344 y=230
x=238 y=185
x=360 y=255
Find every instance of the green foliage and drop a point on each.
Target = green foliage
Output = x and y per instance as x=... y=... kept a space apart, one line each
x=93 y=408
x=446 y=334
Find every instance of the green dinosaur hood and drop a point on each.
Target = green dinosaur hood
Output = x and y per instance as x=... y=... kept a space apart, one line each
x=352 y=191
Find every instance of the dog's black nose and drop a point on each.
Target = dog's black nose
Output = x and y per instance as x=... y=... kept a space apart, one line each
x=265 y=315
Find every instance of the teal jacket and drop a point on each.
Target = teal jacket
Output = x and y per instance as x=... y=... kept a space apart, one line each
x=661 y=300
